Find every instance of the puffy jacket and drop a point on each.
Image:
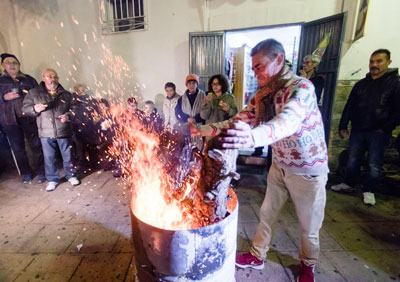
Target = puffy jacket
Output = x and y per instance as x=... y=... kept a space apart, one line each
x=373 y=104
x=11 y=110
x=47 y=121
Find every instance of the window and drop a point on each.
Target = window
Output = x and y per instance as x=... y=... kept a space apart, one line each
x=122 y=15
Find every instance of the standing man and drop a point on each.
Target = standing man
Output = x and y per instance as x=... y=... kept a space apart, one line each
x=169 y=105
x=52 y=106
x=372 y=108
x=14 y=85
x=188 y=108
x=284 y=114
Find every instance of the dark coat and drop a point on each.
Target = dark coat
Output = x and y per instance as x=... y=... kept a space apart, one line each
x=48 y=123
x=373 y=104
x=11 y=110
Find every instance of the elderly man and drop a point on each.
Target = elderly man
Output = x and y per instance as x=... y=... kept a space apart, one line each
x=284 y=114
x=310 y=64
x=373 y=110
x=52 y=105
x=14 y=85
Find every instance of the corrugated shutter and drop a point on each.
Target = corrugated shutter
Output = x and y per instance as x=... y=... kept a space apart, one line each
x=206 y=55
x=312 y=33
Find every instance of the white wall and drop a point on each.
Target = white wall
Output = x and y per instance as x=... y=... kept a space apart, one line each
x=381 y=31
x=32 y=30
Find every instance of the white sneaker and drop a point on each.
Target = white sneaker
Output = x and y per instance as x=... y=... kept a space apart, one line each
x=342 y=187
x=51 y=186
x=74 y=181
x=369 y=198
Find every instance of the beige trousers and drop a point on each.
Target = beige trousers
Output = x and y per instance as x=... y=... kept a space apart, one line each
x=309 y=197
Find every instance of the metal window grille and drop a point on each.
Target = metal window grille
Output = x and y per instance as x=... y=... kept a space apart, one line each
x=122 y=15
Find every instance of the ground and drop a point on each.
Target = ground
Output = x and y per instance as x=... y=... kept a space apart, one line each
x=83 y=233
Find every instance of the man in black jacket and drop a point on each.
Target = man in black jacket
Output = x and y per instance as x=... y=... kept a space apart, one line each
x=52 y=106
x=372 y=109
x=14 y=85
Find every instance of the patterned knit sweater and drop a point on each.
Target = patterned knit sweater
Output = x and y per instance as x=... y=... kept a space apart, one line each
x=295 y=133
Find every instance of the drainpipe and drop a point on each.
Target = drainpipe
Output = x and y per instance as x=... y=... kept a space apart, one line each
x=206 y=15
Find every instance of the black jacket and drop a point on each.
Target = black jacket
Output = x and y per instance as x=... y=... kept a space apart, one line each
x=373 y=104
x=47 y=121
x=11 y=110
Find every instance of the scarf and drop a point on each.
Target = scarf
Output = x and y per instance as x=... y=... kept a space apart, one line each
x=265 y=96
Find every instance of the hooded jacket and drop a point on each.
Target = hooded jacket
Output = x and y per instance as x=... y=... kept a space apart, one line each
x=48 y=123
x=373 y=104
x=11 y=110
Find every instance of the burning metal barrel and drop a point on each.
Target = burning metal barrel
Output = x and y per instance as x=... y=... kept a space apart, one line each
x=204 y=254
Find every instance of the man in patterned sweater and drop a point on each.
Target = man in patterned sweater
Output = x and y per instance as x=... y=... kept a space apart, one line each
x=284 y=114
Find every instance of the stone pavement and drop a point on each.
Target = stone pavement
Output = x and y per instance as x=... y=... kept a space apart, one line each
x=83 y=233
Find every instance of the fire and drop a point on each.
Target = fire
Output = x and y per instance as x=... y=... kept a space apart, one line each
x=138 y=151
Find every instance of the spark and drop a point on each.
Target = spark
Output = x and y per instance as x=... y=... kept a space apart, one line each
x=62 y=24
x=74 y=20
x=37 y=25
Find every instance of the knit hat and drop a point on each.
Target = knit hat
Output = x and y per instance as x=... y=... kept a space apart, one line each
x=192 y=77
x=6 y=55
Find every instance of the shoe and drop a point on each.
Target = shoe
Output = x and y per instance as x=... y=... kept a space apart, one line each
x=342 y=187
x=248 y=260
x=27 y=179
x=51 y=186
x=41 y=178
x=306 y=273
x=369 y=198
x=74 y=181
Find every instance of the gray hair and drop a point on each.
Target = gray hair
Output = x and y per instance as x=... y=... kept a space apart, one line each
x=270 y=48
x=314 y=58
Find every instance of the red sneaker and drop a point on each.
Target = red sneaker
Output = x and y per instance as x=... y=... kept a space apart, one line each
x=306 y=273
x=248 y=260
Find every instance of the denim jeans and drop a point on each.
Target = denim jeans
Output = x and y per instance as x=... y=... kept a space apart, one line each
x=49 y=146
x=309 y=197
x=375 y=143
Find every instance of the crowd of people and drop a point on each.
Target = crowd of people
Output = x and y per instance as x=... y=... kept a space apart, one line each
x=283 y=114
x=75 y=127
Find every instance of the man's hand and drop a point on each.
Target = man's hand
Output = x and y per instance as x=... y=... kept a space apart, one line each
x=343 y=133
x=191 y=120
x=11 y=96
x=194 y=130
x=39 y=107
x=238 y=136
x=63 y=118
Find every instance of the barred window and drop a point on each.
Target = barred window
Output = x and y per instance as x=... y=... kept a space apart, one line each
x=122 y=15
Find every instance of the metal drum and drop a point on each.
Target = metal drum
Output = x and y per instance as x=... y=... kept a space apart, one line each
x=204 y=254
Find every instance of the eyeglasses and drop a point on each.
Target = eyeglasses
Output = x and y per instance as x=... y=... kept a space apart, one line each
x=215 y=84
x=52 y=76
x=11 y=63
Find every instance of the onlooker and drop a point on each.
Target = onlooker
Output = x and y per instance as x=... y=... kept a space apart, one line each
x=219 y=104
x=310 y=64
x=13 y=88
x=83 y=127
x=169 y=106
x=188 y=108
x=280 y=110
x=152 y=122
x=373 y=109
x=133 y=108
x=52 y=105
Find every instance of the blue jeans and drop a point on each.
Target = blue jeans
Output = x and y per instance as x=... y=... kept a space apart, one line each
x=49 y=146
x=375 y=143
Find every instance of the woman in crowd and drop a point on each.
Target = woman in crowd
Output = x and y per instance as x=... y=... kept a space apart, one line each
x=219 y=104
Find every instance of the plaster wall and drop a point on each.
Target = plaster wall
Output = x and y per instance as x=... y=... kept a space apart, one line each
x=381 y=31
x=66 y=35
